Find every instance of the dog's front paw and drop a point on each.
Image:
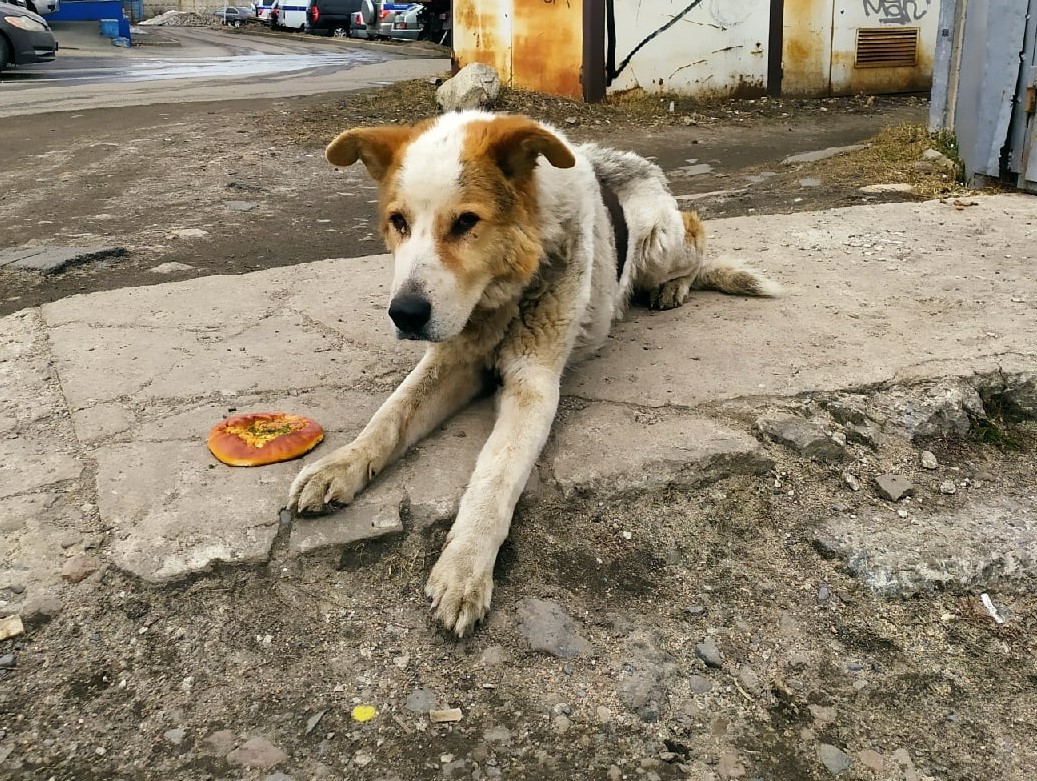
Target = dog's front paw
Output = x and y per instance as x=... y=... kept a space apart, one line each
x=461 y=585
x=335 y=479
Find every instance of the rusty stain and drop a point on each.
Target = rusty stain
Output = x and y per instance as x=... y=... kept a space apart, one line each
x=533 y=44
x=548 y=47
x=806 y=38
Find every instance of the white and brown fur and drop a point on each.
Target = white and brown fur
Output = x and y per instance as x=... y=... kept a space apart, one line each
x=505 y=263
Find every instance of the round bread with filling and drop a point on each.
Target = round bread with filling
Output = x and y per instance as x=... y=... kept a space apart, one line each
x=258 y=438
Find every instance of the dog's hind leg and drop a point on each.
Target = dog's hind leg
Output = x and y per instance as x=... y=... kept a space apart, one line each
x=443 y=382
x=725 y=276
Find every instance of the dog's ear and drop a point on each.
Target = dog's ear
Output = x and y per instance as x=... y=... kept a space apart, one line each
x=516 y=143
x=375 y=146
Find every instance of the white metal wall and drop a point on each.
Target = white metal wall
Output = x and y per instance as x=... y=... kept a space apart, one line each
x=719 y=47
x=883 y=15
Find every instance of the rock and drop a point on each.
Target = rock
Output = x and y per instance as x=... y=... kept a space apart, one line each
x=474 y=86
x=257 y=752
x=940 y=410
x=851 y=481
x=988 y=544
x=801 y=436
x=547 y=627
x=1020 y=394
x=948 y=487
x=645 y=690
x=11 y=627
x=866 y=433
x=833 y=758
x=750 y=680
x=8 y=662
x=560 y=724
x=872 y=760
x=893 y=487
x=80 y=567
x=938 y=159
x=421 y=701
x=604 y=715
x=313 y=721
x=175 y=736
x=41 y=606
x=929 y=460
x=809 y=182
x=278 y=776
x=708 y=652
x=899 y=187
x=699 y=684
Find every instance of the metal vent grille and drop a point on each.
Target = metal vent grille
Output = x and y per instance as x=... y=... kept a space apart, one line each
x=886 y=48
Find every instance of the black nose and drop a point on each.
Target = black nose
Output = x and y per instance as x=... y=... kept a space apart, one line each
x=410 y=312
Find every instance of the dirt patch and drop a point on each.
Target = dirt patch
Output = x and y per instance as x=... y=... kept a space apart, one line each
x=156 y=683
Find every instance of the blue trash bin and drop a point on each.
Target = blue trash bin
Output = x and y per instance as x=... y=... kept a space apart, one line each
x=110 y=28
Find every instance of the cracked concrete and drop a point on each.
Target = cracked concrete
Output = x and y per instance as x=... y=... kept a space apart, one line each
x=107 y=398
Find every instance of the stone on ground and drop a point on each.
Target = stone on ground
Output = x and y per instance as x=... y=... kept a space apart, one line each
x=474 y=86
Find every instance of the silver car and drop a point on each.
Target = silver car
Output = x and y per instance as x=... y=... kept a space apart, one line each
x=401 y=25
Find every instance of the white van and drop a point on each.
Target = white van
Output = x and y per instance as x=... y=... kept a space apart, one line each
x=288 y=14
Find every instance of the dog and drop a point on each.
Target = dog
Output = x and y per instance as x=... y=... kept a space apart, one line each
x=514 y=251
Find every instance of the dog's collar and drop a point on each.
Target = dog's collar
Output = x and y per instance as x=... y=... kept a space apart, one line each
x=619 y=225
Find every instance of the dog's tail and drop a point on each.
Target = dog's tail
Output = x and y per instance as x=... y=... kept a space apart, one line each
x=722 y=274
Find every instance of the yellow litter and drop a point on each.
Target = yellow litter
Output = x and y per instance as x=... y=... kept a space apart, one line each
x=364 y=713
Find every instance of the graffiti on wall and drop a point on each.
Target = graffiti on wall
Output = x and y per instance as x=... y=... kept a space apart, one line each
x=896 y=11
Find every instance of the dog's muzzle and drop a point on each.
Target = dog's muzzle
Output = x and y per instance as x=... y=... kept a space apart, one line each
x=410 y=313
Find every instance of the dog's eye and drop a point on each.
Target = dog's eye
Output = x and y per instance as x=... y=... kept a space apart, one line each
x=464 y=223
x=399 y=222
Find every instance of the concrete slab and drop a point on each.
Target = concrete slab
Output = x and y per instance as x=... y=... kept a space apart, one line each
x=174 y=510
x=873 y=294
x=821 y=154
x=615 y=449
x=50 y=260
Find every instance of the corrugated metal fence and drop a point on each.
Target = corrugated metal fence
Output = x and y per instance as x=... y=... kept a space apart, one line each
x=985 y=87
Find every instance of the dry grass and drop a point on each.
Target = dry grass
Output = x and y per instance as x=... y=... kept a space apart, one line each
x=895 y=155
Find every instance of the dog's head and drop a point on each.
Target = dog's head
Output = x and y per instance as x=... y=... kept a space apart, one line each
x=458 y=211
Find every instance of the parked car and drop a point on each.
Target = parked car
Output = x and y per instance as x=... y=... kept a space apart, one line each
x=42 y=7
x=288 y=14
x=263 y=11
x=233 y=15
x=335 y=17
x=404 y=25
x=25 y=37
x=386 y=12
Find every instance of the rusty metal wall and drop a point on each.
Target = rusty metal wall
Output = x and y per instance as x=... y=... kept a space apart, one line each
x=717 y=48
x=482 y=33
x=806 y=51
x=533 y=44
x=882 y=16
